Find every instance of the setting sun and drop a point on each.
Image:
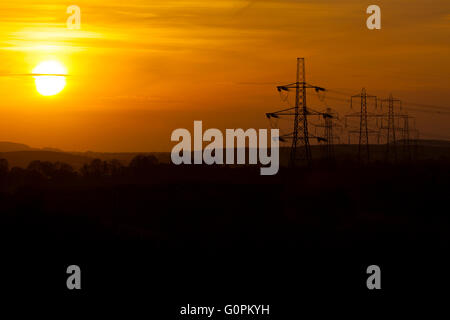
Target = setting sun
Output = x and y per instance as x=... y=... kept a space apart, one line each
x=50 y=77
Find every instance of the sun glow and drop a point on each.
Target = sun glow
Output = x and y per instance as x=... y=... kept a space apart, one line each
x=50 y=78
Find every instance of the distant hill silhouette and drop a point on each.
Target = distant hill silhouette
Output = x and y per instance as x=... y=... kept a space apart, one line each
x=23 y=158
x=123 y=157
x=21 y=155
x=6 y=146
x=435 y=143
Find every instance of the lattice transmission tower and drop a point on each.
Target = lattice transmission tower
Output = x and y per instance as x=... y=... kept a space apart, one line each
x=329 y=135
x=363 y=131
x=329 y=124
x=391 y=148
x=300 y=134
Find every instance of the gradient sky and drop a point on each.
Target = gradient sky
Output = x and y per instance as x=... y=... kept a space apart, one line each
x=140 y=69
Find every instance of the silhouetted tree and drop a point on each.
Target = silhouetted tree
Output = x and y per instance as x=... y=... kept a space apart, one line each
x=115 y=167
x=17 y=175
x=95 y=169
x=48 y=170
x=44 y=168
x=63 y=171
x=4 y=167
x=141 y=164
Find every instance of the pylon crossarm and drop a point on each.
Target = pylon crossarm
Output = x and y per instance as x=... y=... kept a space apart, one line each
x=277 y=113
x=294 y=86
x=286 y=85
x=359 y=96
x=282 y=110
x=282 y=114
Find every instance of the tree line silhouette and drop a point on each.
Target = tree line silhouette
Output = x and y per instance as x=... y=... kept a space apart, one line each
x=199 y=205
x=53 y=212
x=60 y=172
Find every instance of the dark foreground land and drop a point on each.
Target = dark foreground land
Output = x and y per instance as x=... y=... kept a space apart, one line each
x=187 y=234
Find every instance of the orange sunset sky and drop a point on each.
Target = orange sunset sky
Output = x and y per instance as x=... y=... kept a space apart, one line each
x=140 y=69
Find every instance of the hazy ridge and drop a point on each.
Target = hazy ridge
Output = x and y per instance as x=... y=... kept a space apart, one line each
x=20 y=155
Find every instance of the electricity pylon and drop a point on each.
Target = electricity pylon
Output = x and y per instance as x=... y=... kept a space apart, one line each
x=364 y=131
x=329 y=117
x=405 y=132
x=300 y=112
x=300 y=117
x=329 y=136
x=406 y=137
x=390 y=137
